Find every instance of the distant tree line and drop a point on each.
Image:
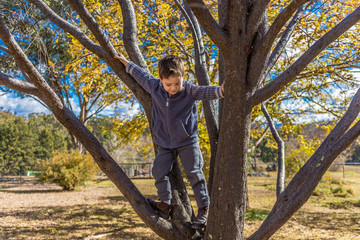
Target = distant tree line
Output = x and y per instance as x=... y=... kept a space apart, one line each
x=25 y=141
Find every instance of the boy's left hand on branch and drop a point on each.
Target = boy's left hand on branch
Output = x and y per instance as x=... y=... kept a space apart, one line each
x=122 y=59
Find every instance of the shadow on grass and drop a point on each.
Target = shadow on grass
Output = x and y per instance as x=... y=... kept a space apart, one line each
x=122 y=198
x=75 y=222
x=33 y=191
x=338 y=221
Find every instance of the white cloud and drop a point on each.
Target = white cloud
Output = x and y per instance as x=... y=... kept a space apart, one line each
x=125 y=109
x=25 y=106
x=22 y=106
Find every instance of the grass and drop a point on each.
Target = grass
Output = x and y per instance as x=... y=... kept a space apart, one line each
x=99 y=211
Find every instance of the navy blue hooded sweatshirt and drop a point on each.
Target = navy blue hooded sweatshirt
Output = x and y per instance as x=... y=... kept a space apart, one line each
x=174 y=117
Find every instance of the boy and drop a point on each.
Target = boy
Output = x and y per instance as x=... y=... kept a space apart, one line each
x=175 y=130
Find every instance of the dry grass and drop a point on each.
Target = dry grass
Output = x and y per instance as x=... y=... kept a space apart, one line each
x=99 y=211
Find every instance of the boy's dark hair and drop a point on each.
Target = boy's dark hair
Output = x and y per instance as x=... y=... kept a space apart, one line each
x=171 y=65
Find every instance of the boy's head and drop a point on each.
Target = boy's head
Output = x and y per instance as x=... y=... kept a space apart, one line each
x=171 y=72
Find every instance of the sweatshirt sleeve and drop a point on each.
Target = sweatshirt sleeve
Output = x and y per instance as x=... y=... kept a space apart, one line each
x=205 y=92
x=143 y=77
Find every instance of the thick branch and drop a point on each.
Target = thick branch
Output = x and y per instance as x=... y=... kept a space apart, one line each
x=74 y=31
x=130 y=33
x=339 y=130
x=118 y=68
x=211 y=27
x=290 y=74
x=19 y=65
x=19 y=85
x=256 y=14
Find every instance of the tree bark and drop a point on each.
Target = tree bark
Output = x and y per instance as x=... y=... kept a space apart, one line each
x=228 y=198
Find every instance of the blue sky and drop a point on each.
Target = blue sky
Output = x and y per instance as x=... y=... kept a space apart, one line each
x=25 y=106
x=22 y=106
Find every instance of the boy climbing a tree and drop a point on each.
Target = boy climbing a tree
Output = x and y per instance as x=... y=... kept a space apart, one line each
x=174 y=127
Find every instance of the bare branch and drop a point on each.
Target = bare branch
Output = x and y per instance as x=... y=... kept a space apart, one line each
x=5 y=49
x=281 y=152
x=211 y=27
x=259 y=140
x=93 y=26
x=74 y=31
x=290 y=74
x=18 y=85
x=339 y=130
x=130 y=33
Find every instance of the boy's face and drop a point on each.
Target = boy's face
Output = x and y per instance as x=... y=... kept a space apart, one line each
x=172 y=84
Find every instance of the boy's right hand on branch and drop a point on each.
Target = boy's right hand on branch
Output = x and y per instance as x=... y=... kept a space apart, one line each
x=122 y=59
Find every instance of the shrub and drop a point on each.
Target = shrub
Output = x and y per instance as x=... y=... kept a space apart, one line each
x=68 y=169
x=298 y=156
x=333 y=187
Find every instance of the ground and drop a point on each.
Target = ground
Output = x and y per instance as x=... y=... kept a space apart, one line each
x=99 y=211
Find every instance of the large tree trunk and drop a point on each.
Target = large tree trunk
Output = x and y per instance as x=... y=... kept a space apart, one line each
x=228 y=198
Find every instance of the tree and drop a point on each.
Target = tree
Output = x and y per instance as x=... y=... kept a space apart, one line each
x=24 y=141
x=245 y=39
x=16 y=146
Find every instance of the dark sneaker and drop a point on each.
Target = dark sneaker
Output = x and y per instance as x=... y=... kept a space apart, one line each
x=163 y=209
x=201 y=219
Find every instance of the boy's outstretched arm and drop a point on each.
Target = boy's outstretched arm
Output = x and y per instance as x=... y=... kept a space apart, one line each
x=122 y=59
x=143 y=77
x=206 y=92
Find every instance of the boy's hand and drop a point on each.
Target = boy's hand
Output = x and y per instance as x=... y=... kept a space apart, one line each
x=122 y=59
x=222 y=87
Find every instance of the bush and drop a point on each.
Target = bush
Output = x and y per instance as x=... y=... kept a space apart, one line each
x=333 y=187
x=68 y=169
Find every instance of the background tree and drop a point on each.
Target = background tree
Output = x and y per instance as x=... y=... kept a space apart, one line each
x=25 y=141
x=245 y=38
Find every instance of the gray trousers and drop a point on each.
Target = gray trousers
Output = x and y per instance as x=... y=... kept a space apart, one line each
x=192 y=162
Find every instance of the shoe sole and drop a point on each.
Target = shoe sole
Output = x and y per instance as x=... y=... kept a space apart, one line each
x=198 y=226
x=156 y=209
